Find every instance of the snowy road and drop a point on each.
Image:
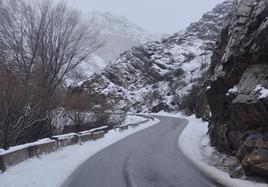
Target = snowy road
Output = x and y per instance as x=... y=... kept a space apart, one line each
x=150 y=158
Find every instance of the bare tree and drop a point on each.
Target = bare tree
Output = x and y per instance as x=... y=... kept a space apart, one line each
x=79 y=101
x=40 y=43
x=12 y=103
x=79 y=119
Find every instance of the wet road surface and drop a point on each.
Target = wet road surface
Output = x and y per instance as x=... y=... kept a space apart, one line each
x=150 y=158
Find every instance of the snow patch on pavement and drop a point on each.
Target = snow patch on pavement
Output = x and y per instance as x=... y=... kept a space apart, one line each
x=190 y=142
x=53 y=169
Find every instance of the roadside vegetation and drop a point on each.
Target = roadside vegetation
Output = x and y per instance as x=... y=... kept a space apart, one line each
x=40 y=44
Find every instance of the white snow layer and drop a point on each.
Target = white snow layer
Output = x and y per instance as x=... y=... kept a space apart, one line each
x=190 y=142
x=233 y=90
x=133 y=119
x=262 y=91
x=53 y=169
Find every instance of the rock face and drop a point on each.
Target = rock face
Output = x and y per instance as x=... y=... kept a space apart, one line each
x=157 y=75
x=238 y=95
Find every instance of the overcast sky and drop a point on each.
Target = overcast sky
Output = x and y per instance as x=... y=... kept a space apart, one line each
x=159 y=16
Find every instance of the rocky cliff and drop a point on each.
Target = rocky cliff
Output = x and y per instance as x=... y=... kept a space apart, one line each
x=157 y=75
x=238 y=95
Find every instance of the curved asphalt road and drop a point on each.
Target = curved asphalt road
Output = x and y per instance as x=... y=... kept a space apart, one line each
x=150 y=158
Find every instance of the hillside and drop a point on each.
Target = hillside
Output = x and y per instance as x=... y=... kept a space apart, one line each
x=117 y=34
x=157 y=75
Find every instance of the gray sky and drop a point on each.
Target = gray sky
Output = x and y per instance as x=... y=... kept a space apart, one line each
x=168 y=16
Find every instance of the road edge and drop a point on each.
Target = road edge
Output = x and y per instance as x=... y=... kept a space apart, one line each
x=191 y=152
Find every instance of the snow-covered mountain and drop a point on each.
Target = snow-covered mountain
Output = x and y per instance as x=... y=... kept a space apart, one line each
x=157 y=75
x=118 y=34
x=116 y=25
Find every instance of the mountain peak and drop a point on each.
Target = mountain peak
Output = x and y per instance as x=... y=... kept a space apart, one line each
x=112 y=24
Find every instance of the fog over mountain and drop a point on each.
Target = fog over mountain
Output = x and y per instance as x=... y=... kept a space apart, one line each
x=161 y=16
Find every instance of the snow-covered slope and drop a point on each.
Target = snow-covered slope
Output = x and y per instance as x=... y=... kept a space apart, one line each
x=118 y=34
x=156 y=75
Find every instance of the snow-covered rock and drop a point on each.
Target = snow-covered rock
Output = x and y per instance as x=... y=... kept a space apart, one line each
x=263 y=92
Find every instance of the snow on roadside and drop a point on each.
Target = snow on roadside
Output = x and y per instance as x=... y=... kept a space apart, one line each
x=190 y=142
x=53 y=169
x=132 y=119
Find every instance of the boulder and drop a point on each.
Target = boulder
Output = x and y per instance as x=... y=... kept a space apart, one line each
x=256 y=163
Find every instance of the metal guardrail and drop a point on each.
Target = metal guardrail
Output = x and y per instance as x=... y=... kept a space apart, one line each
x=36 y=149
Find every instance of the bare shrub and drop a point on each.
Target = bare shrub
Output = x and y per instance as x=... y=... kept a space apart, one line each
x=188 y=102
x=77 y=101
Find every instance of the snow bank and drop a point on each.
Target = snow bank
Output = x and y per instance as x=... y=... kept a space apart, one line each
x=190 y=142
x=53 y=169
x=133 y=119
